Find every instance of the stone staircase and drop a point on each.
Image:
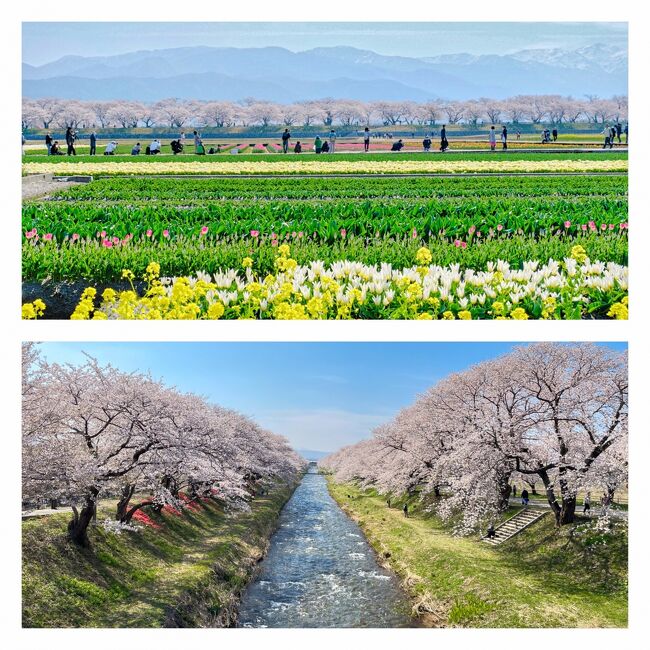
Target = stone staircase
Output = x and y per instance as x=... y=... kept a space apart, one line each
x=513 y=526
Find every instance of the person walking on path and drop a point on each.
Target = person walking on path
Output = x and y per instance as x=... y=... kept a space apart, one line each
x=514 y=490
x=69 y=140
x=366 y=140
x=285 y=141
x=93 y=143
x=493 y=138
x=426 y=144
x=625 y=131
x=318 y=144
x=406 y=509
x=491 y=532
x=554 y=135
x=524 y=497
x=607 y=133
x=48 y=143
x=332 y=140
x=504 y=137
x=444 y=143
x=586 y=504
x=619 y=130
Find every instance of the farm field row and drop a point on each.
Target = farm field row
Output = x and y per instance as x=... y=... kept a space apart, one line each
x=208 y=189
x=325 y=221
x=510 y=155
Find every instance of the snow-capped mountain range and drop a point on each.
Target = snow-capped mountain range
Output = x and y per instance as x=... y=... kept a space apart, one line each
x=277 y=74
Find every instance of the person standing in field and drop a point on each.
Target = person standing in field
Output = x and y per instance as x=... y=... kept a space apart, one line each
x=586 y=504
x=524 y=497
x=444 y=143
x=625 y=131
x=619 y=130
x=405 y=509
x=198 y=145
x=69 y=140
x=48 y=143
x=554 y=135
x=366 y=140
x=493 y=138
x=332 y=140
x=504 y=137
x=93 y=143
x=518 y=134
x=285 y=141
x=318 y=144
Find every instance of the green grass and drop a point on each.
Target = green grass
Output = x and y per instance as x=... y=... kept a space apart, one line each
x=187 y=573
x=544 y=577
x=123 y=156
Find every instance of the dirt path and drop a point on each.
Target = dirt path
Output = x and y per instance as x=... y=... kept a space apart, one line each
x=41 y=185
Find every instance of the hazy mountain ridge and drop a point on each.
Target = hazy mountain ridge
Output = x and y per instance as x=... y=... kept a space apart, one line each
x=277 y=74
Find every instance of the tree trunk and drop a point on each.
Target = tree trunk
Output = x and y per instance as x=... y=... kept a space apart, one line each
x=504 y=491
x=123 y=503
x=568 y=511
x=129 y=514
x=78 y=527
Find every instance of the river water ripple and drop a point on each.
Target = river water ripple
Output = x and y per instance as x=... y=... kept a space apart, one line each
x=320 y=571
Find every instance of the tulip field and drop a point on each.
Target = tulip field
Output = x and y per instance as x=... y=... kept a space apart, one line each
x=402 y=236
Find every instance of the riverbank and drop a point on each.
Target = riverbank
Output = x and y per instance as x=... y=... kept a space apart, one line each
x=184 y=569
x=574 y=577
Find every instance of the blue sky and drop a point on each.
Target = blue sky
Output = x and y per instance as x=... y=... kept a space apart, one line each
x=45 y=42
x=320 y=395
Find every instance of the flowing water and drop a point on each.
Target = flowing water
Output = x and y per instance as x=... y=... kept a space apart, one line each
x=320 y=571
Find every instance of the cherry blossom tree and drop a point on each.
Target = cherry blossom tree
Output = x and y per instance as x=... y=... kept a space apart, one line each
x=92 y=430
x=549 y=413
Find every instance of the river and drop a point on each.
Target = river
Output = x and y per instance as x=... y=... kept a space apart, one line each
x=320 y=571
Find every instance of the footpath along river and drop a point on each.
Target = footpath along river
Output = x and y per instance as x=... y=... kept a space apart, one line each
x=320 y=571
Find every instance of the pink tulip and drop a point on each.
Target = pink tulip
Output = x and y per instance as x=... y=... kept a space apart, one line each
x=457 y=243
x=623 y=226
x=75 y=236
x=274 y=242
x=567 y=224
x=603 y=226
x=149 y=232
x=204 y=230
x=107 y=243
x=103 y=233
x=414 y=234
x=463 y=244
x=343 y=232
x=499 y=227
x=611 y=226
x=300 y=234
x=255 y=233
x=165 y=233
x=274 y=235
x=29 y=234
x=47 y=236
x=584 y=226
x=116 y=240
x=472 y=230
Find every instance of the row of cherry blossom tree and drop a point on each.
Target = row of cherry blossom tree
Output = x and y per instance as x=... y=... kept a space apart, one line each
x=173 y=113
x=552 y=413
x=91 y=430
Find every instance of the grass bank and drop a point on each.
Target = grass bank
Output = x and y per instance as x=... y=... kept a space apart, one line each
x=544 y=577
x=186 y=570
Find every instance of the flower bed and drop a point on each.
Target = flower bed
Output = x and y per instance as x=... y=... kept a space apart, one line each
x=334 y=166
x=572 y=288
